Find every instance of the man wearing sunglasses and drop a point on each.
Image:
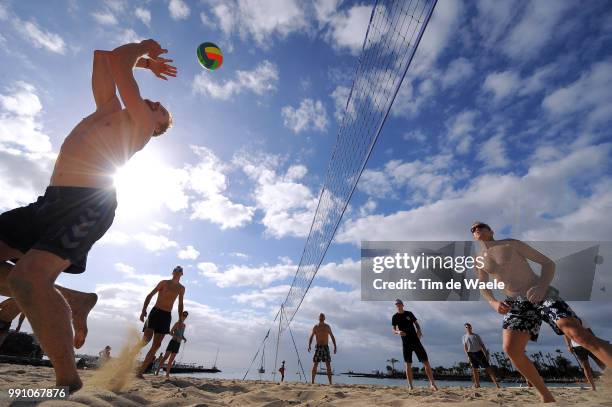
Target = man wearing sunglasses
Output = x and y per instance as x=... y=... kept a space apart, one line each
x=478 y=355
x=404 y=324
x=530 y=301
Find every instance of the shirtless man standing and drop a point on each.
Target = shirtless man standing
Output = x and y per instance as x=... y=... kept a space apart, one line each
x=157 y=324
x=530 y=300
x=8 y=312
x=322 y=331
x=55 y=233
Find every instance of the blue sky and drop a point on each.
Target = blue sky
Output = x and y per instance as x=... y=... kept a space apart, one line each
x=504 y=116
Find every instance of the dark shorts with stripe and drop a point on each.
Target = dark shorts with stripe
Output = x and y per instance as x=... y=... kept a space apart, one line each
x=528 y=317
x=410 y=345
x=173 y=346
x=159 y=321
x=65 y=221
x=478 y=360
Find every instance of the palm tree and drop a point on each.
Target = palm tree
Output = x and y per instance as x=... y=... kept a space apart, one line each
x=393 y=361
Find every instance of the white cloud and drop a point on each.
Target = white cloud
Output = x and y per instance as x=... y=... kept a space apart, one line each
x=497 y=198
x=375 y=183
x=347 y=29
x=458 y=71
x=263 y=20
x=41 y=38
x=348 y=272
x=536 y=28
x=588 y=95
x=188 y=253
x=311 y=115
x=116 y=5
x=340 y=96
x=502 y=84
x=129 y=272
x=128 y=36
x=154 y=243
x=288 y=206
x=262 y=298
x=208 y=179
x=26 y=157
x=239 y=275
x=179 y=10
x=260 y=80
x=143 y=15
x=493 y=153
x=104 y=17
x=150 y=241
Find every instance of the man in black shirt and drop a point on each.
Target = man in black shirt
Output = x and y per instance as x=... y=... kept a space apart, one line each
x=404 y=323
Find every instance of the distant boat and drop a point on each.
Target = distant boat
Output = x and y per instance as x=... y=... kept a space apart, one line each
x=323 y=371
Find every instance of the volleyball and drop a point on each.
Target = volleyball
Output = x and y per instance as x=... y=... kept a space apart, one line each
x=210 y=56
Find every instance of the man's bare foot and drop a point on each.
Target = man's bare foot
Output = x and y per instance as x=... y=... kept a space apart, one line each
x=81 y=306
x=434 y=387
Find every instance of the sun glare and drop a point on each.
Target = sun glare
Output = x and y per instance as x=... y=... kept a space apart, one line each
x=146 y=184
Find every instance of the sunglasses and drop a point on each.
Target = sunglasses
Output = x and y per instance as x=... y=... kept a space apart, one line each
x=480 y=226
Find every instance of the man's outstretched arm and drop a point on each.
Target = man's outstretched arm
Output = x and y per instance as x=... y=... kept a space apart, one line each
x=122 y=62
x=102 y=82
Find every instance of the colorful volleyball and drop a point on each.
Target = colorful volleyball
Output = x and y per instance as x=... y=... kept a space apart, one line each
x=210 y=56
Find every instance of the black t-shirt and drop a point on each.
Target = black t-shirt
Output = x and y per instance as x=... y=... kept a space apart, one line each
x=405 y=323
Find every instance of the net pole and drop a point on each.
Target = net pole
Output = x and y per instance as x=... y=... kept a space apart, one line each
x=280 y=321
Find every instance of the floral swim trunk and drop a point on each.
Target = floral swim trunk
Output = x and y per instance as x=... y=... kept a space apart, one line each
x=528 y=317
x=321 y=354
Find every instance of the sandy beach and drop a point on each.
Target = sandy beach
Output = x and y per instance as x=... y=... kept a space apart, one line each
x=182 y=391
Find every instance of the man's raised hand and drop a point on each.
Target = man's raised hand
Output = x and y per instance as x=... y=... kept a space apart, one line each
x=153 y=48
x=161 y=68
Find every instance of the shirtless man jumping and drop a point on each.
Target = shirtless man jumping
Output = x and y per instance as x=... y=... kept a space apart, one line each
x=55 y=233
x=530 y=300
x=157 y=324
x=322 y=331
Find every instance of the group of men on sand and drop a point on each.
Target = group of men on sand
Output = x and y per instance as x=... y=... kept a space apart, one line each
x=530 y=300
x=55 y=233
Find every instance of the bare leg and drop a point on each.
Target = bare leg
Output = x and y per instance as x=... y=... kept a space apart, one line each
x=170 y=363
x=491 y=373
x=515 y=343
x=476 y=377
x=574 y=329
x=162 y=360
x=314 y=371
x=429 y=374
x=329 y=371
x=80 y=303
x=409 y=375
x=157 y=340
x=31 y=283
x=588 y=372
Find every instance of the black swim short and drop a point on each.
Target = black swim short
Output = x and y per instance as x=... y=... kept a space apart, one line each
x=173 y=346
x=528 y=317
x=321 y=354
x=159 y=321
x=478 y=360
x=4 y=326
x=65 y=221
x=410 y=345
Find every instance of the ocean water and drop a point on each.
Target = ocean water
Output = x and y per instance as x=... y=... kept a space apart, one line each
x=346 y=379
